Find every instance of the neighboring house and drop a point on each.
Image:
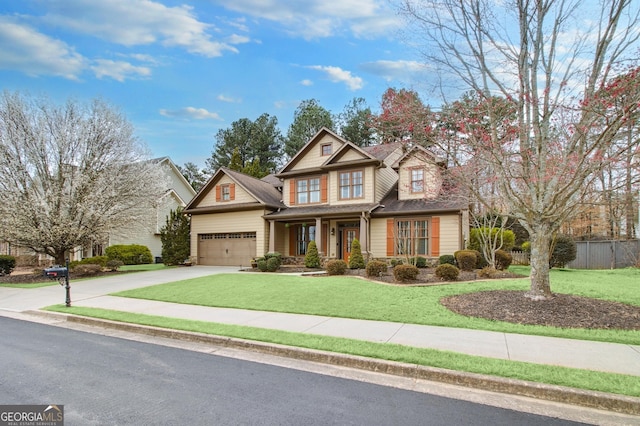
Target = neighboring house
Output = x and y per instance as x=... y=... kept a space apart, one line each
x=393 y=198
x=178 y=194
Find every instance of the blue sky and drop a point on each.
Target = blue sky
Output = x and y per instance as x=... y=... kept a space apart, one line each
x=182 y=70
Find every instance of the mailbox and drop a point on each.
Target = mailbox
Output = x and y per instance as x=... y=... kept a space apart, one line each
x=56 y=271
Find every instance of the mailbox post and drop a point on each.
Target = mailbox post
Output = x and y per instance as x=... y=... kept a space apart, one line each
x=61 y=273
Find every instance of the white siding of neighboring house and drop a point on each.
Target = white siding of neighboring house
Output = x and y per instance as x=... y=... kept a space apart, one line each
x=247 y=221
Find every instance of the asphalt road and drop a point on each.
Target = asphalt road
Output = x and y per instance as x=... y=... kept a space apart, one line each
x=103 y=380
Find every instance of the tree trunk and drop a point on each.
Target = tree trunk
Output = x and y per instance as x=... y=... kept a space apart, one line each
x=540 y=244
x=61 y=259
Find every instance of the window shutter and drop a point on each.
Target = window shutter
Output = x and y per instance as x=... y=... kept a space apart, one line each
x=435 y=236
x=292 y=192
x=323 y=188
x=232 y=191
x=218 y=190
x=390 y=239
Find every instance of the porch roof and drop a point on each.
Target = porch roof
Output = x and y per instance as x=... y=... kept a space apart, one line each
x=321 y=211
x=390 y=205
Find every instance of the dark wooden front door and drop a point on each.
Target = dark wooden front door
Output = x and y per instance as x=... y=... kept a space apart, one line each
x=348 y=235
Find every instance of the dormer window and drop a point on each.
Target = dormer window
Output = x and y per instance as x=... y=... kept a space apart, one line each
x=326 y=149
x=226 y=193
x=417 y=180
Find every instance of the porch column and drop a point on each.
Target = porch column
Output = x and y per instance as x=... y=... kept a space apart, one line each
x=272 y=236
x=319 y=235
x=364 y=234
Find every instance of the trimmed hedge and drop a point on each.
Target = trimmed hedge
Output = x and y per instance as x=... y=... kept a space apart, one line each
x=356 y=261
x=336 y=267
x=447 y=272
x=466 y=259
x=312 y=259
x=503 y=260
x=376 y=268
x=130 y=254
x=7 y=264
x=404 y=273
x=447 y=259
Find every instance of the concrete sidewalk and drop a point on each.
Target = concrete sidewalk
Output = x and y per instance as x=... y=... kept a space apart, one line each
x=597 y=356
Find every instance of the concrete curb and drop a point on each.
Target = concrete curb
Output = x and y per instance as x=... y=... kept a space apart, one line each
x=591 y=399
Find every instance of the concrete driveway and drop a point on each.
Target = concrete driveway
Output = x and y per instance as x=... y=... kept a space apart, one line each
x=25 y=299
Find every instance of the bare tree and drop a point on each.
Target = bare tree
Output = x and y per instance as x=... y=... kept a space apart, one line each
x=69 y=174
x=559 y=62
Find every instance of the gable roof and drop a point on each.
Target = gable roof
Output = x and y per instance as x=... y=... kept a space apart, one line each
x=263 y=192
x=303 y=151
x=383 y=150
x=416 y=149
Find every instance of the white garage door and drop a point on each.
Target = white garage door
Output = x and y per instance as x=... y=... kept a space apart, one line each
x=226 y=249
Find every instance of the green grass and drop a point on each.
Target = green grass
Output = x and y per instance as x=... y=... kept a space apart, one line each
x=145 y=267
x=582 y=379
x=349 y=297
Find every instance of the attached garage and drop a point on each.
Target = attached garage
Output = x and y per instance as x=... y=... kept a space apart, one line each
x=226 y=249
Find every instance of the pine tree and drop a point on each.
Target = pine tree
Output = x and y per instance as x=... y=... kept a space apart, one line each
x=312 y=259
x=175 y=238
x=356 y=261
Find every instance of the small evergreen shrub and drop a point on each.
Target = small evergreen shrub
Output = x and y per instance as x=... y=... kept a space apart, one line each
x=262 y=264
x=312 y=259
x=507 y=236
x=130 y=254
x=274 y=255
x=273 y=263
x=503 y=260
x=405 y=273
x=526 y=246
x=419 y=262
x=564 y=251
x=7 y=264
x=87 y=270
x=487 y=272
x=96 y=260
x=356 y=261
x=466 y=259
x=396 y=262
x=336 y=267
x=114 y=265
x=447 y=272
x=481 y=261
x=376 y=268
x=448 y=259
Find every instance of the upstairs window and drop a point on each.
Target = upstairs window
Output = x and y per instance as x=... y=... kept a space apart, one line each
x=417 y=180
x=326 y=149
x=351 y=185
x=308 y=191
x=226 y=193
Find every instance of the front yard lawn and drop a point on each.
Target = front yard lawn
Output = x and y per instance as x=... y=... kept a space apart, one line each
x=349 y=297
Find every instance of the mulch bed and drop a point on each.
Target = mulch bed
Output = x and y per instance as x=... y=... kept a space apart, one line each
x=562 y=310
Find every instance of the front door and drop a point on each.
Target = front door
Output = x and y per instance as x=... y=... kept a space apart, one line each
x=348 y=235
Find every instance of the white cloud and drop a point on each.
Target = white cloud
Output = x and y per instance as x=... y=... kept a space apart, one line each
x=306 y=82
x=403 y=71
x=138 y=22
x=321 y=18
x=338 y=75
x=228 y=99
x=26 y=50
x=237 y=39
x=191 y=112
x=118 y=70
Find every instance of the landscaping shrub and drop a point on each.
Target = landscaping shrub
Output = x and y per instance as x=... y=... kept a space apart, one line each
x=336 y=267
x=466 y=259
x=487 y=272
x=564 y=251
x=419 y=262
x=356 y=261
x=475 y=240
x=396 y=262
x=503 y=260
x=262 y=264
x=274 y=255
x=175 y=238
x=114 y=265
x=447 y=259
x=7 y=264
x=96 y=260
x=376 y=268
x=404 y=273
x=526 y=246
x=311 y=259
x=273 y=263
x=130 y=254
x=447 y=272
x=87 y=269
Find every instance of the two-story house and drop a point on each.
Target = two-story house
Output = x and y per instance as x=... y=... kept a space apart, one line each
x=391 y=197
